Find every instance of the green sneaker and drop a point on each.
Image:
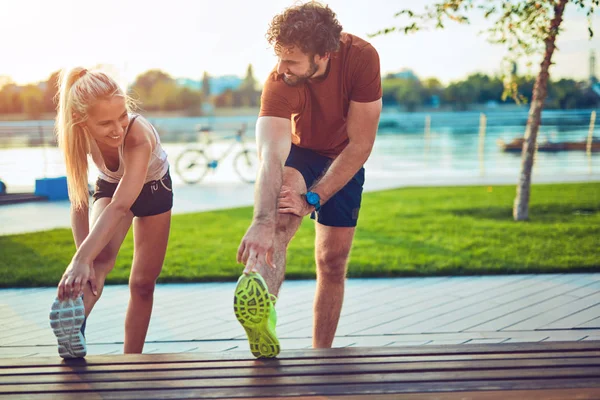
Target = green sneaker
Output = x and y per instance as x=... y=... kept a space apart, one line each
x=254 y=307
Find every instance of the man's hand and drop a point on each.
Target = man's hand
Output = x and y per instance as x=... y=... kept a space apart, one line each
x=256 y=248
x=77 y=275
x=292 y=202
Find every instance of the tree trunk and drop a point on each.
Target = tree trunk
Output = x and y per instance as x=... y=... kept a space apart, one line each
x=521 y=205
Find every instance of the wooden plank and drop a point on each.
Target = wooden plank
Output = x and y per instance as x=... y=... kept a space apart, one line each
x=539 y=338
x=575 y=319
x=492 y=316
x=350 y=352
x=332 y=389
x=586 y=290
x=506 y=369
x=555 y=314
x=174 y=362
x=531 y=374
x=554 y=394
x=521 y=312
x=484 y=299
x=300 y=324
x=97 y=348
x=219 y=323
x=593 y=324
x=114 y=298
x=415 y=298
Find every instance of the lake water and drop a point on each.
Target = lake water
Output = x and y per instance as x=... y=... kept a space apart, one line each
x=402 y=149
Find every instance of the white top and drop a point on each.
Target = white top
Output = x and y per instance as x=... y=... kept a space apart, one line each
x=157 y=165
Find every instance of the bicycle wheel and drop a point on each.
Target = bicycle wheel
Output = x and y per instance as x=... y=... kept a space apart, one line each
x=246 y=165
x=191 y=165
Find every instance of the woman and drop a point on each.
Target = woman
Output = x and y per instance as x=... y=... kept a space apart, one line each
x=95 y=118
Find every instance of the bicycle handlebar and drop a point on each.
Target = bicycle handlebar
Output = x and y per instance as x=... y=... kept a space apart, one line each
x=206 y=130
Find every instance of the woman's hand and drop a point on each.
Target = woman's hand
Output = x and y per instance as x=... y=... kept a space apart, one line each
x=73 y=281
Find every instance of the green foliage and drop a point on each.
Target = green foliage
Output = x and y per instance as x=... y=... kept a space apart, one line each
x=33 y=100
x=158 y=91
x=10 y=99
x=522 y=26
x=481 y=89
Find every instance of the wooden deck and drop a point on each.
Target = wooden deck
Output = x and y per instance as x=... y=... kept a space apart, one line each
x=377 y=312
x=502 y=371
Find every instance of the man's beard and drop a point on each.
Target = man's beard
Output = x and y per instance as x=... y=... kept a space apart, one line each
x=296 y=80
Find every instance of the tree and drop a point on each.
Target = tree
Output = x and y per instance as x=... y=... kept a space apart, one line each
x=5 y=80
x=407 y=92
x=164 y=97
x=33 y=100
x=144 y=83
x=528 y=28
x=410 y=94
x=10 y=99
x=247 y=95
x=461 y=94
x=433 y=90
x=206 y=85
x=50 y=92
x=191 y=101
x=225 y=99
x=6 y=85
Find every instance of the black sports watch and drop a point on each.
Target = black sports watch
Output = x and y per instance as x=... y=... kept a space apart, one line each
x=313 y=199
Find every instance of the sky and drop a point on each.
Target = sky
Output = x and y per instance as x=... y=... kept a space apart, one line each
x=187 y=37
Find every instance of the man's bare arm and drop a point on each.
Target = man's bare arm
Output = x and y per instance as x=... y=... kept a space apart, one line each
x=274 y=140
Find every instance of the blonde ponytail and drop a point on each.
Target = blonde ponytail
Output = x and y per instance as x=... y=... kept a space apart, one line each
x=79 y=88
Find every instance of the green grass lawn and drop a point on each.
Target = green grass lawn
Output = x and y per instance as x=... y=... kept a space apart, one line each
x=402 y=232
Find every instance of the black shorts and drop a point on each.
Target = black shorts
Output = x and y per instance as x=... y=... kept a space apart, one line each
x=342 y=209
x=155 y=198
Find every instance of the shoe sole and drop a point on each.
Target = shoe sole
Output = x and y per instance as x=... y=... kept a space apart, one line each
x=66 y=319
x=251 y=308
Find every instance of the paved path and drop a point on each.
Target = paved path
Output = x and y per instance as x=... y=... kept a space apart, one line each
x=377 y=312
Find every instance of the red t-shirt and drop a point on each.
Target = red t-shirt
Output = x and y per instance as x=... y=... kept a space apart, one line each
x=318 y=109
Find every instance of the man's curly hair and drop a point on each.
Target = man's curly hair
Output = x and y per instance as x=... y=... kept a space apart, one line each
x=312 y=27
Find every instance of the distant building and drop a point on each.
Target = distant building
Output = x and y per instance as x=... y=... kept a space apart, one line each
x=218 y=84
x=189 y=83
x=406 y=73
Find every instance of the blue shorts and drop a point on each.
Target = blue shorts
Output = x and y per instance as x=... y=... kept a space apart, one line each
x=342 y=209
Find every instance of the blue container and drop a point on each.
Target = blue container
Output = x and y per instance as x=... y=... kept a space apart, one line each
x=52 y=188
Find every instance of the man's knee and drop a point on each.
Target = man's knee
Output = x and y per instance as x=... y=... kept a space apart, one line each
x=331 y=265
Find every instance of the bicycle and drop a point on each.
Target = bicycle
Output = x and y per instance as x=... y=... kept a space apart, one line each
x=193 y=164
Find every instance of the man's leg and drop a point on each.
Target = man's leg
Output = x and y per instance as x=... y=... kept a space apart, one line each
x=332 y=247
x=287 y=226
x=254 y=300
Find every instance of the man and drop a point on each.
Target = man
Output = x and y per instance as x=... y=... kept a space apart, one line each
x=319 y=114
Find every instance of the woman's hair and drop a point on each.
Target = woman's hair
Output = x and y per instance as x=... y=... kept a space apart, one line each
x=78 y=89
x=312 y=27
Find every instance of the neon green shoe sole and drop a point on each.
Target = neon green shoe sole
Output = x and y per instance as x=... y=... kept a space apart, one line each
x=255 y=311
